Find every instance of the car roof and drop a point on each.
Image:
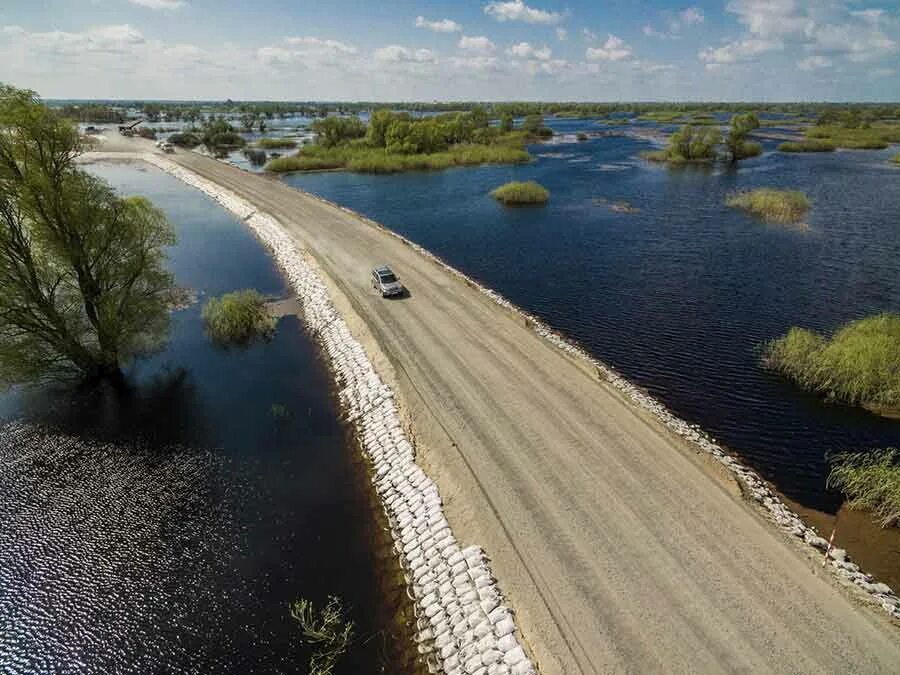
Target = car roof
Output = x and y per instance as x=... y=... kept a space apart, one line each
x=383 y=269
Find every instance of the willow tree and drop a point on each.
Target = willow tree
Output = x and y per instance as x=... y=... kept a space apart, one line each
x=83 y=287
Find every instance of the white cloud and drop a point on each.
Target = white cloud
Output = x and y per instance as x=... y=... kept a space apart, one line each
x=813 y=63
x=159 y=4
x=314 y=45
x=398 y=54
x=589 y=35
x=739 y=51
x=441 y=26
x=562 y=34
x=691 y=16
x=771 y=18
x=857 y=44
x=479 y=44
x=614 y=49
x=872 y=16
x=525 y=50
x=551 y=67
x=517 y=10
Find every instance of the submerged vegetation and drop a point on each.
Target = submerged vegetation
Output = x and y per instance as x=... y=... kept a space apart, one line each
x=871 y=481
x=238 y=318
x=776 y=206
x=858 y=365
x=328 y=631
x=808 y=145
x=520 y=193
x=394 y=142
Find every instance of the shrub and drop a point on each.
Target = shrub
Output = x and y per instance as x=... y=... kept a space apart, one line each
x=147 y=132
x=689 y=144
x=857 y=138
x=748 y=149
x=273 y=143
x=858 y=365
x=871 y=480
x=515 y=193
x=808 y=145
x=778 y=206
x=238 y=318
x=185 y=140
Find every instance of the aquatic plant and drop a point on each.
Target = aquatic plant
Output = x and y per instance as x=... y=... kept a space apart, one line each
x=238 y=318
x=273 y=143
x=328 y=631
x=858 y=365
x=871 y=481
x=517 y=193
x=896 y=158
x=778 y=206
x=808 y=145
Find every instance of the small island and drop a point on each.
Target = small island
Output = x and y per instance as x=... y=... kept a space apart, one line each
x=396 y=141
x=518 y=193
x=774 y=206
x=698 y=142
x=857 y=365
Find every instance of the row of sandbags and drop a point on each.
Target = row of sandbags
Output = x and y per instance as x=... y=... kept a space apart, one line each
x=462 y=625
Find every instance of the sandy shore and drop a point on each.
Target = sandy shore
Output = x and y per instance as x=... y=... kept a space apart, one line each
x=621 y=547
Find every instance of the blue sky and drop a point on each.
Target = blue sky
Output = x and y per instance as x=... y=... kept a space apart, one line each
x=596 y=50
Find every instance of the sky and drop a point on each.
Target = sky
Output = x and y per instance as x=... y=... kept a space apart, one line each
x=399 y=50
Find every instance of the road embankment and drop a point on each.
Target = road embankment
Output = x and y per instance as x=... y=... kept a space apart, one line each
x=603 y=514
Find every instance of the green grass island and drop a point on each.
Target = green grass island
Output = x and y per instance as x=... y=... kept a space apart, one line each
x=393 y=142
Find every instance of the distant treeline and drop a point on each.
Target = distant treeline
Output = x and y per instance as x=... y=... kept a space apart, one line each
x=196 y=110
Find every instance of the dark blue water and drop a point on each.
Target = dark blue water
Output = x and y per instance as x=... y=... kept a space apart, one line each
x=680 y=296
x=172 y=532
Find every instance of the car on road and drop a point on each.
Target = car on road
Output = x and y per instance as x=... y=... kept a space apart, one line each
x=386 y=282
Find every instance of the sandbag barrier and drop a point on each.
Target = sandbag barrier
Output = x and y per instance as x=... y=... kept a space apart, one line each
x=462 y=624
x=751 y=483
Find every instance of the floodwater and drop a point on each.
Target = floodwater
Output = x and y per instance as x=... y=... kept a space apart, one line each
x=678 y=292
x=167 y=528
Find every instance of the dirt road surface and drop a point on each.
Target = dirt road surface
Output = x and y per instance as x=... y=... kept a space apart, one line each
x=619 y=547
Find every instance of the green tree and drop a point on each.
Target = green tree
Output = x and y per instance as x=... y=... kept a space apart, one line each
x=83 y=286
x=379 y=122
x=532 y=123
x=506 y=123
x=334 y=130
x=736 y=142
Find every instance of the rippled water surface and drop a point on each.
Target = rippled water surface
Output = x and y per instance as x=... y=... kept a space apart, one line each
x=680 y=295
x=167 y=529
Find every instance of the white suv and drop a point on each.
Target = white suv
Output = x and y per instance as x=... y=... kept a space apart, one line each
x=385 y=282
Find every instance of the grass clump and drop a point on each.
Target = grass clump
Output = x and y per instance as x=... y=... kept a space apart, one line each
x=858 y=365
x=896 y=158
x=808 y=145
x=866 y=137
x=518 y=193
x=238 y=318
x=870 y=480
x=328 y=631
x=777 y=206
x=275 y=143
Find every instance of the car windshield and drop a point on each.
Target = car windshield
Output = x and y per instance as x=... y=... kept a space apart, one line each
x=388 y=278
